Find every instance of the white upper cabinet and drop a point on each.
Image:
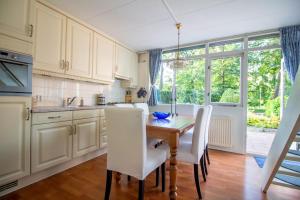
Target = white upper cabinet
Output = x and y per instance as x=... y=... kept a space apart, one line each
x=133 y=72
x=79 y=50
x=14 y=19
x=104 y=58
x=123 y=62
x=49 y=39
x=14 y=138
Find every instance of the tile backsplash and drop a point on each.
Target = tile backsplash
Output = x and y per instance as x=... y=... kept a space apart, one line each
x=53 y=90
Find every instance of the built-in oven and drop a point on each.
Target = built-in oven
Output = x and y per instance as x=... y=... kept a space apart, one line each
x=15 y=74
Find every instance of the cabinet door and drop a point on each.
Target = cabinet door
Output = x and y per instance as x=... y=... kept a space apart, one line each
x=51 y=144
x=79 y=50
x=14 y=138
x=103 y=133
x=134 y=70
x=86 y=136
x=49 y=39
x=14 y=17
x=123 y=61
x=104 y=58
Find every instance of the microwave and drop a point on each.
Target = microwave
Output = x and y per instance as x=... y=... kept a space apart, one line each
x=15 y=74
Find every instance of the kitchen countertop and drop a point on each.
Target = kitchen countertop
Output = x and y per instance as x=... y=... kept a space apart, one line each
x=43 y=109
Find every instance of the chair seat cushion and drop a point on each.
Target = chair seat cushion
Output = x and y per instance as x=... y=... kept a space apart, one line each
x=184 y=151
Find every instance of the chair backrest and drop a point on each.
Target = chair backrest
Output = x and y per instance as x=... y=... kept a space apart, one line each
x=126 y=142
x=124 y=105
x=210 y=109
x=143 y=106
x=199 y=132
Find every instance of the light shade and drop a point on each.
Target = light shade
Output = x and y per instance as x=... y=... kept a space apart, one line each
x=178 y=63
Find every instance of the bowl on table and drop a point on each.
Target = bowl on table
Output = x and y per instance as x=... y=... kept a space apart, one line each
x=161 y=115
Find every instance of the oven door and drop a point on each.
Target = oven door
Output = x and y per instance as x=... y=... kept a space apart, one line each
x=15 y=78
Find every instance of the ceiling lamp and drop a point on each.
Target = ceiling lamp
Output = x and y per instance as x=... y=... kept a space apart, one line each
x=178 y=63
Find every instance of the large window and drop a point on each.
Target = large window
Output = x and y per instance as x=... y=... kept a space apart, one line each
x=223 y=63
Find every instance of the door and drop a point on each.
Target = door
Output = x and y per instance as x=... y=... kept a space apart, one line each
x=134 y=70
x=14 y=138
x=86 y=136
x=49 y=39
x=51 y=144
x=226 y=93
x=14 y=16
x=79 y=50
x=104 y=58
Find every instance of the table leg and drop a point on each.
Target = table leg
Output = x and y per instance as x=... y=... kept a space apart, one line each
x=173 y=143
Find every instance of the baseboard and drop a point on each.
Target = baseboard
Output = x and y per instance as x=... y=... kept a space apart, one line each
x=28 y=180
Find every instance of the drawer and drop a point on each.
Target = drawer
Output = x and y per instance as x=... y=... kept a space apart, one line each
x=49 y=117
x=82 y=114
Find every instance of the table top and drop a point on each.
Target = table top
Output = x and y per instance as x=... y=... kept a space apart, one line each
x=178 y=123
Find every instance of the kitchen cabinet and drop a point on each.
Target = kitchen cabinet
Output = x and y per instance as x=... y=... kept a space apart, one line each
x=14 y=138
x=49 y=39
x=123 y=62
x=133 y=73
x=51 y=144
x=14 y=19
x=86 y=136
x=103 y=58
x=79 y=50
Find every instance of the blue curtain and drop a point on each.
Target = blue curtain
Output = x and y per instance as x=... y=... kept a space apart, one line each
x=290 y=45
x=154 y=68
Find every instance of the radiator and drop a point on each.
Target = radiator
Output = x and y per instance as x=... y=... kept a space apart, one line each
x=220 y=131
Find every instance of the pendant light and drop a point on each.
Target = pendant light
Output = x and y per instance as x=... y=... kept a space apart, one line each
x=178 y=63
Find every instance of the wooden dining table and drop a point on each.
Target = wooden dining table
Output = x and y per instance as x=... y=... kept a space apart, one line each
x=170 y=130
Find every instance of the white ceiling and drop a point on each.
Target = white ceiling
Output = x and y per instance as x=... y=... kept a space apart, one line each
x=146 y=24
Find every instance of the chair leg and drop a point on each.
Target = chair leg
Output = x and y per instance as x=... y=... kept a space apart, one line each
x=202 y=168
x=108 y=184
x=128 y=178
x=163 y=177
x=204 y=163
x=157 y=177
x=206 y=151
x=196 y=176
x=141 y=189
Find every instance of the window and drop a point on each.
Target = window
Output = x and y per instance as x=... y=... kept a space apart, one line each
x=225 y=80
x=264 y=41
x=225 y=46
x=190 y=81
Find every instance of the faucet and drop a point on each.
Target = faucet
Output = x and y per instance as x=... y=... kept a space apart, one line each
x=70 y=100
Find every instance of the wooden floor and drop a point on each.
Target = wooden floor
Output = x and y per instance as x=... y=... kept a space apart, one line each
x=231 y=176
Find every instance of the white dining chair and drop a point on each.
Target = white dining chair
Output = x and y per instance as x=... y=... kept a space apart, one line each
x=192 y=151
x=188 y=137
x=151 y=142
x=127 y=152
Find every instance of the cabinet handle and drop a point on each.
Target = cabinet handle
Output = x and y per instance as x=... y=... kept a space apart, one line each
x=62 y=64
x=67 y=65
x=30 y=30
x=27 y=114
x=55 y=117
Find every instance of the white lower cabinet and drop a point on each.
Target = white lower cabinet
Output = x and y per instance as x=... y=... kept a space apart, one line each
x=51 y=144
x=14 y=138
x=86 y=136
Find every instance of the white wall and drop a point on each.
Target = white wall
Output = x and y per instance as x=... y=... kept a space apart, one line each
x=54 y=90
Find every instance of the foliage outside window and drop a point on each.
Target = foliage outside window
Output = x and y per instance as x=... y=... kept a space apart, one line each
x=225 y=80
x=225 y=46
x=264 y=41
